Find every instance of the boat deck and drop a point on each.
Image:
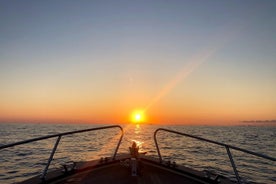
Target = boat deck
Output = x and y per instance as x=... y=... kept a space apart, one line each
x=119 y=171
x=117 y=174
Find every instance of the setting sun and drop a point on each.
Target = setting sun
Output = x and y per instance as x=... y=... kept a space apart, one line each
x=137 y=116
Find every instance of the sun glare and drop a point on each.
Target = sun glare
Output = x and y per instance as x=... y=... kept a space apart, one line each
x=137 y=116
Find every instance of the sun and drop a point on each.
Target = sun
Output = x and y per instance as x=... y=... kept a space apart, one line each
x=137 y=116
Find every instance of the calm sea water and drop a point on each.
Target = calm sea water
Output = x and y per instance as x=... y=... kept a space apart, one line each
x=24 y=161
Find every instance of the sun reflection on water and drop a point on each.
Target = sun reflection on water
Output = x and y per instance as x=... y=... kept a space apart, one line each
x=137 y=129
x=137 y=136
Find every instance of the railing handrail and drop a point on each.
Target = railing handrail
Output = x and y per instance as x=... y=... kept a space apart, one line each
x=59 y=135
x=213 y=142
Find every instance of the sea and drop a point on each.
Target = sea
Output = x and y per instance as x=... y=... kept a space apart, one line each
x=24 y=161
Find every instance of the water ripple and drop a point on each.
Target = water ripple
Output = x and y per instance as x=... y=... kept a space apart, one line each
x=29 y=160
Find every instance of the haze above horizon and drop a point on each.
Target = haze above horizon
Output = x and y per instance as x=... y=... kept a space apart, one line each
x=175 y=61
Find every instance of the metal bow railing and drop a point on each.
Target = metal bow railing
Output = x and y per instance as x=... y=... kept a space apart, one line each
x=44 y=173
x=227 y=147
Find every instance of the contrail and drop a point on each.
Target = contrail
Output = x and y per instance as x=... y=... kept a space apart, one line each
x=193 y=63
x=229 y=32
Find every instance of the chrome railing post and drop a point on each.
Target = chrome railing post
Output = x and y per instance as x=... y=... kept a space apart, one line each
x=233 y=164
x=50 y=158
x=119 y=143
x=157 y=147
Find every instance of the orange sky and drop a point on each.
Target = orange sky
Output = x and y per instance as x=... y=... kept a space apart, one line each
x=182 y=63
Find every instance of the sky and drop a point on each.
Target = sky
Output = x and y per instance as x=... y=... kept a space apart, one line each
x=179 y=62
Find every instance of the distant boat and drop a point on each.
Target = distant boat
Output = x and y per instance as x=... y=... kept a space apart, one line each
x=132 y=167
